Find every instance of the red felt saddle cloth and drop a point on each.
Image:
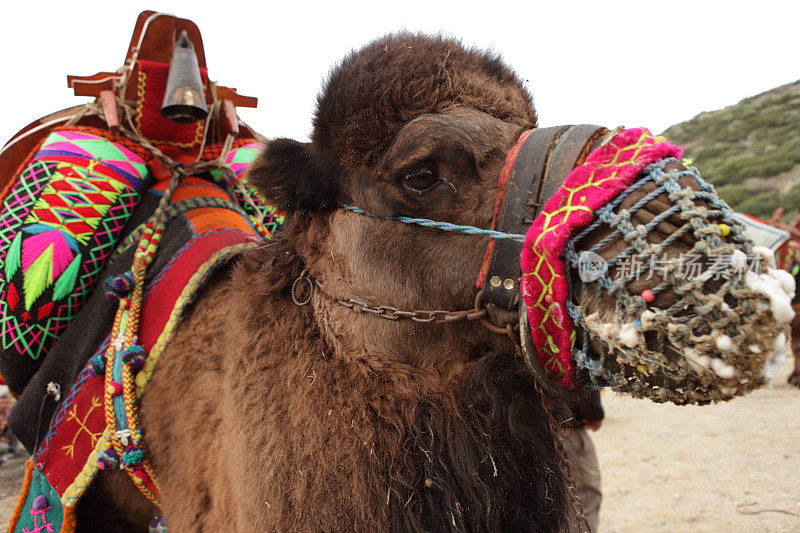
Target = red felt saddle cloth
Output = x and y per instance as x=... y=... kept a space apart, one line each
x=163 y=132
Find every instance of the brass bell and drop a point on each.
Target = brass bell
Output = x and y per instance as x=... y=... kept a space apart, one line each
x=184 y=99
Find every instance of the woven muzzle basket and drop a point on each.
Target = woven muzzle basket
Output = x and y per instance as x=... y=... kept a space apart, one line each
x=668 y=298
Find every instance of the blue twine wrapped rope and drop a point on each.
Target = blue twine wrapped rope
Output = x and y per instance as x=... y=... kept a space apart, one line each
x=446 y=226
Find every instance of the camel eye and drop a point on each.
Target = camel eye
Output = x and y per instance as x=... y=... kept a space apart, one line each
x=421 y=179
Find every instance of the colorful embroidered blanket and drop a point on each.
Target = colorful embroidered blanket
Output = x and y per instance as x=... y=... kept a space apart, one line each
x=59 y=221
x=68 y=193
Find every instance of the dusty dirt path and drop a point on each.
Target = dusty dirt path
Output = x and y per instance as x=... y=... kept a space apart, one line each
x=11 y=474
x=668 y=468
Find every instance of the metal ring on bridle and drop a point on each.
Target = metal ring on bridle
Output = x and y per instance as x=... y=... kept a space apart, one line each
x=303 y=276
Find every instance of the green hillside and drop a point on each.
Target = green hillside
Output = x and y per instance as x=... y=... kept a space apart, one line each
x=749 y=151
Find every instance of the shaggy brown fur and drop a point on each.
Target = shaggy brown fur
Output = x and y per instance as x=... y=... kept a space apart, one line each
x=376 y=91
x=320 y=438
x=268 y=416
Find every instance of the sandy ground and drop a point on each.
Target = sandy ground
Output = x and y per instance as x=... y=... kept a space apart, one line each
x=11 y=472
x=668 y=468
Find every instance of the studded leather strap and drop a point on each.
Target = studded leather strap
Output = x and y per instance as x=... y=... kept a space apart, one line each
x=544 y=161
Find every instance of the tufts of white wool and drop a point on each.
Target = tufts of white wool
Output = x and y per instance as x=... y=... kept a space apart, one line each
x=625 y=334
x=767 y=256
x=722 y=369
x=775 y=359
x=649 y=319
x=697 y=361
x=738 y=260
x=628 y=335
x=778 y=287
x=725 y=344
x=705 y=362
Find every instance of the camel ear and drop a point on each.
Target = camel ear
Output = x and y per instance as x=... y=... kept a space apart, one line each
x=289 y=175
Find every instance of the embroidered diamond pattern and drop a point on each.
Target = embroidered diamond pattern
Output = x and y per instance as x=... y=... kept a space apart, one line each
x=58 y=224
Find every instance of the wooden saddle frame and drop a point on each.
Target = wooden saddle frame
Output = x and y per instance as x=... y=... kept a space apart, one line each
x=152 y=39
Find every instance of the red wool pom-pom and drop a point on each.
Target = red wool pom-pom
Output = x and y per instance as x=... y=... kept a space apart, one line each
x=114 y=388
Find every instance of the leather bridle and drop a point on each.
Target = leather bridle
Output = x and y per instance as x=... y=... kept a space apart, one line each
x=544 y=158
x=543 y=162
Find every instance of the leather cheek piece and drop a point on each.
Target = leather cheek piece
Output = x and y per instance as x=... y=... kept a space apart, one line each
x=544 y=161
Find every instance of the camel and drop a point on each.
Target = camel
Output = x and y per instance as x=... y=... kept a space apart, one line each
x=269 y=415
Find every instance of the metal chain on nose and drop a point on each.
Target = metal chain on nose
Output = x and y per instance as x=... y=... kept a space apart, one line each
x=477 y=313
x=438 y=316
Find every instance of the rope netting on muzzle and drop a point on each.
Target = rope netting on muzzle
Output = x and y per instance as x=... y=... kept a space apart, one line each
x=671 y=300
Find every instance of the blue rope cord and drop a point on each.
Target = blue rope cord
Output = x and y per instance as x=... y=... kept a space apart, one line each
x=446 y=226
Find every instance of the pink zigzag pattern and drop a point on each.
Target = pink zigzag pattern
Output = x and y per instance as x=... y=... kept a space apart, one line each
x=607 y=171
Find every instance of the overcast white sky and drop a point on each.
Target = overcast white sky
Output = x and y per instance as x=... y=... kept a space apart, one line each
x=640 y=63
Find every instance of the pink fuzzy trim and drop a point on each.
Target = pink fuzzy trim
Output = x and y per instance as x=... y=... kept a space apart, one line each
x=607 y=171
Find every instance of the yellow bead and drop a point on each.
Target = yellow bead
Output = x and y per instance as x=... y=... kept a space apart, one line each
x=724 y=229
x=642 y=368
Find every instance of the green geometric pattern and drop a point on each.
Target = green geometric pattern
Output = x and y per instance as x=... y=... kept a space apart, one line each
x=35 y=339
x=46 y=519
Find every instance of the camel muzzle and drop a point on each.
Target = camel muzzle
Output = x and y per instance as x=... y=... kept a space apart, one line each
x=678 y=337
x=636 y=273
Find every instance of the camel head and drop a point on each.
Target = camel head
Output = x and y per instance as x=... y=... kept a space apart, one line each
x=420 y=127
x=408 y=126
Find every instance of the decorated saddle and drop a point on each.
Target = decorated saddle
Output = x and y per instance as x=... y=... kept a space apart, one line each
x=109 y=226
x=71 y=222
